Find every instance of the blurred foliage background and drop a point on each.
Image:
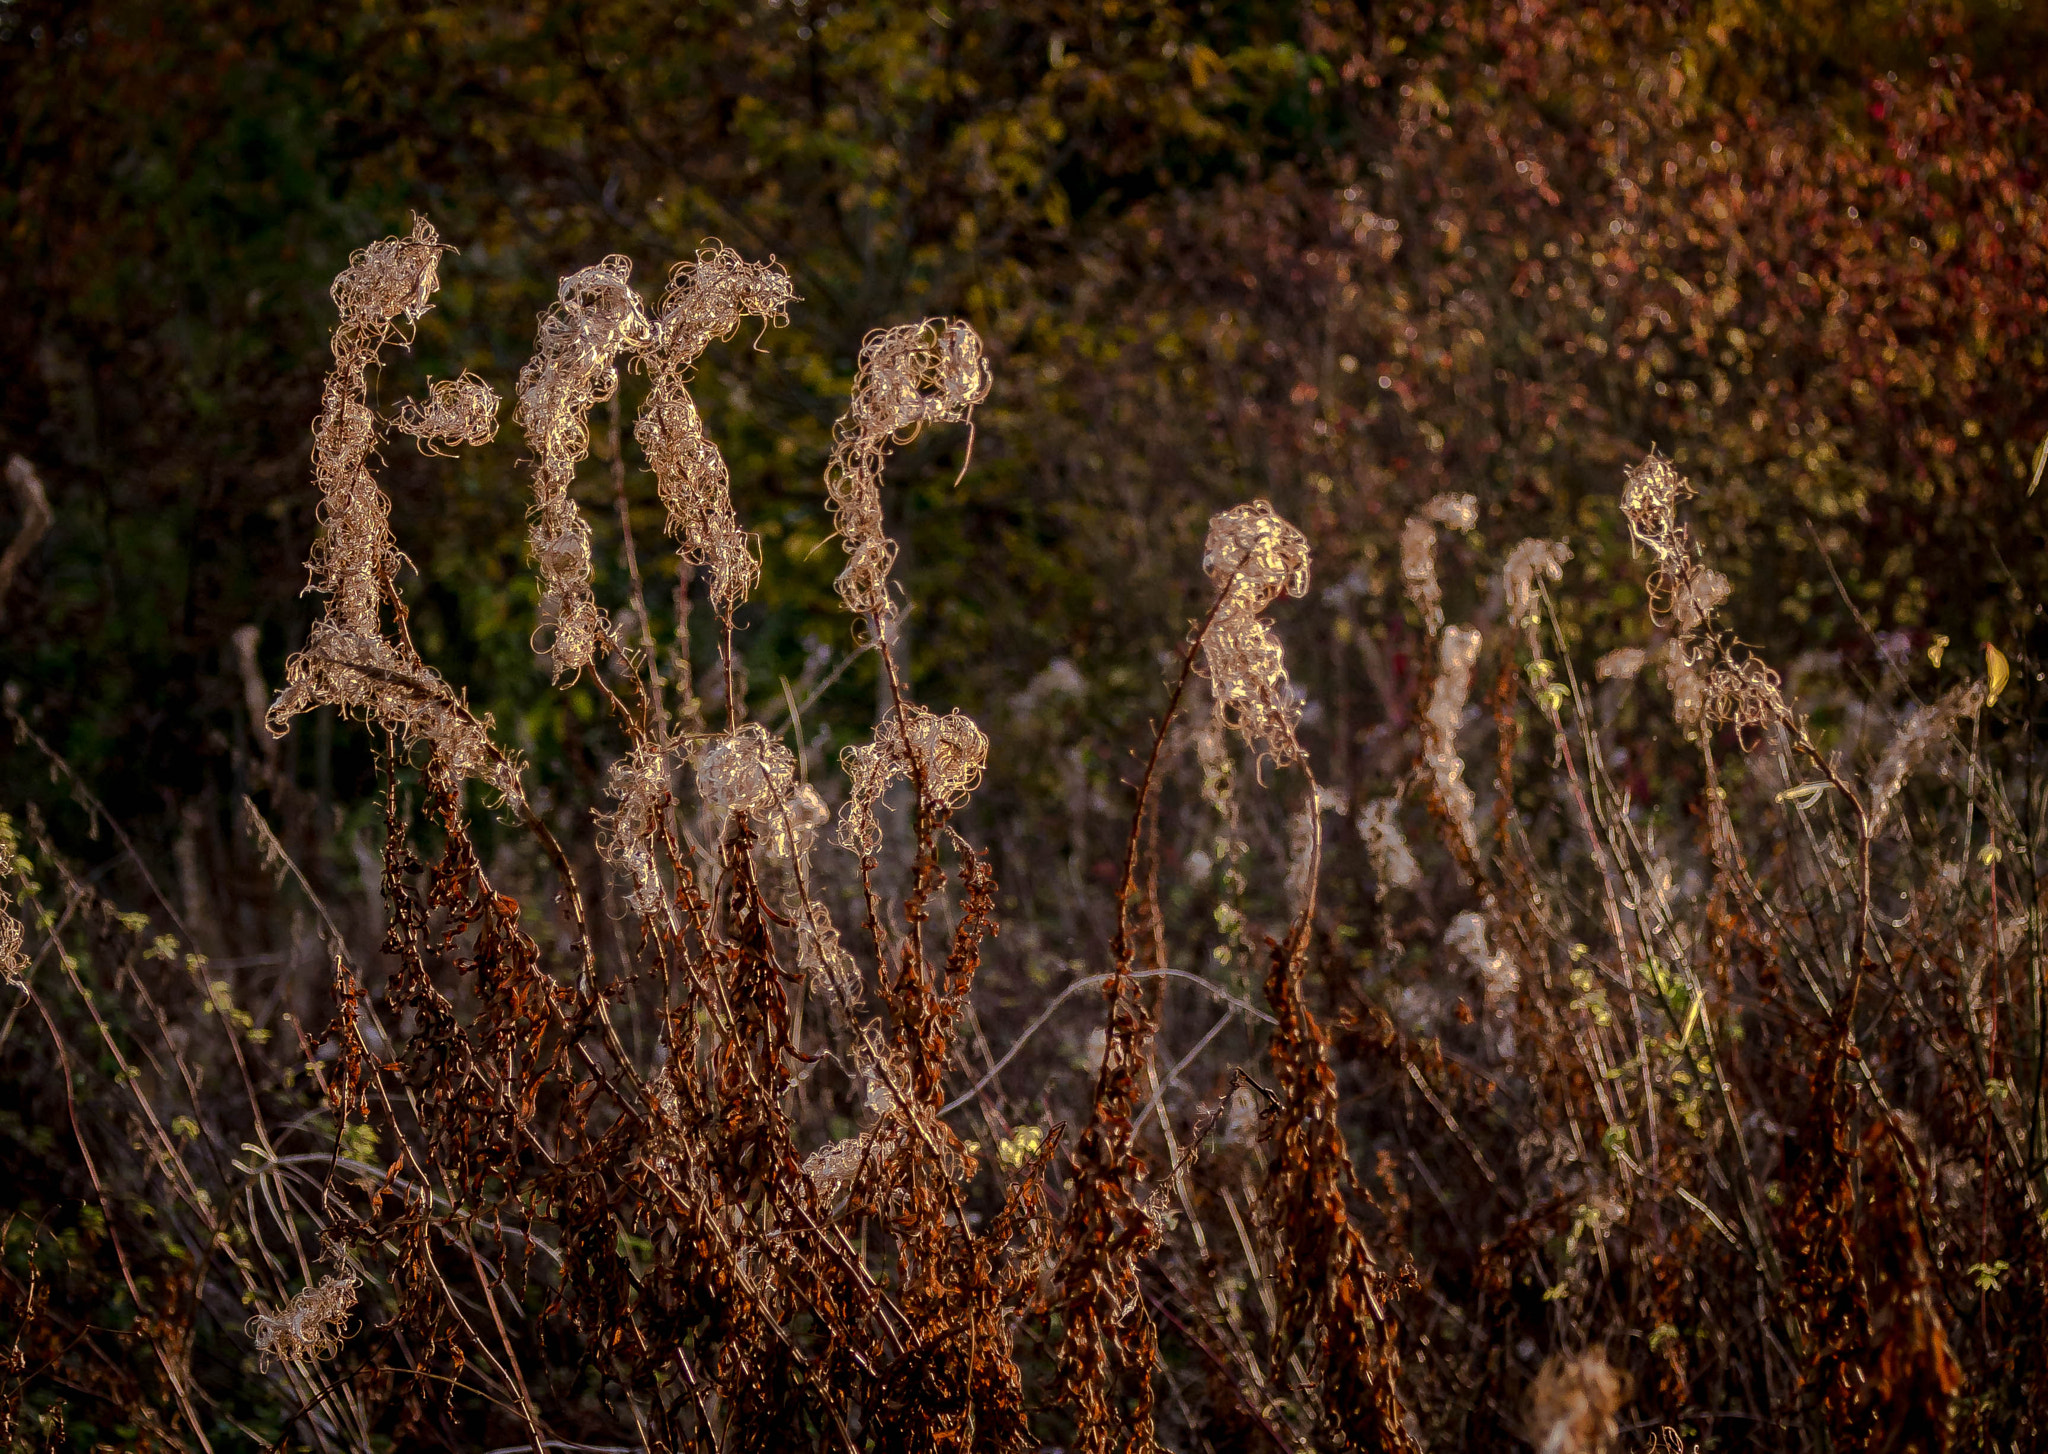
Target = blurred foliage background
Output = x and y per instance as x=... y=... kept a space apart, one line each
x=1342 y=256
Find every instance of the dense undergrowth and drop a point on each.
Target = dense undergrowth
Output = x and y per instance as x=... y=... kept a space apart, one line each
x=1638 y=1052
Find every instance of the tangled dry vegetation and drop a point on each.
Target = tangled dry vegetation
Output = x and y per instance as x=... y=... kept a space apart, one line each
x=1532 y=1112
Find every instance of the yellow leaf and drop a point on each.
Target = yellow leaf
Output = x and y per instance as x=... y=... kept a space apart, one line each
x=1998 y=669
x=1935 y=648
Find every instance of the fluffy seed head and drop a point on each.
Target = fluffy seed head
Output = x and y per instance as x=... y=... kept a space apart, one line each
x=13 y=963
x=1571 y=1404
x=943 y=756
x=1466 y=938
x=457 y=411
x=707 y=300
x=821 y=956
x=1453 y=512
x=349 y=663
x=1528 y=565
x=310 y=1327
x=596 y=317
x=1713 y=681
x=1254 y=557
x=1253 y=554
x=1418 y=572
x=1621 y=664
x=1919 y=734
x=1456 y=656
x=629 y=835
x=910 y=376
x=1393 y=863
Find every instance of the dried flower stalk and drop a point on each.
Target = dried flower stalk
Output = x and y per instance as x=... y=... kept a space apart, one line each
x=349 y=662
x=1418 y=552
x=13 y=963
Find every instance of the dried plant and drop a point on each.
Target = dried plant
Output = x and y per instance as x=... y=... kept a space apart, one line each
x=1623 y=663
x=1712 y=678
x=1919 y=734
x=13 y=963
x=1750 y=1105
x=942 y=757
x=1254 y=557
x=309 y=1328
x=918 y=374
x=1393 y=864
x=595 y=319
x=457 y=411
x=1528 y=566
x=350 y=661
x=707 y=300
x=629 y=837
x=1457 y=653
